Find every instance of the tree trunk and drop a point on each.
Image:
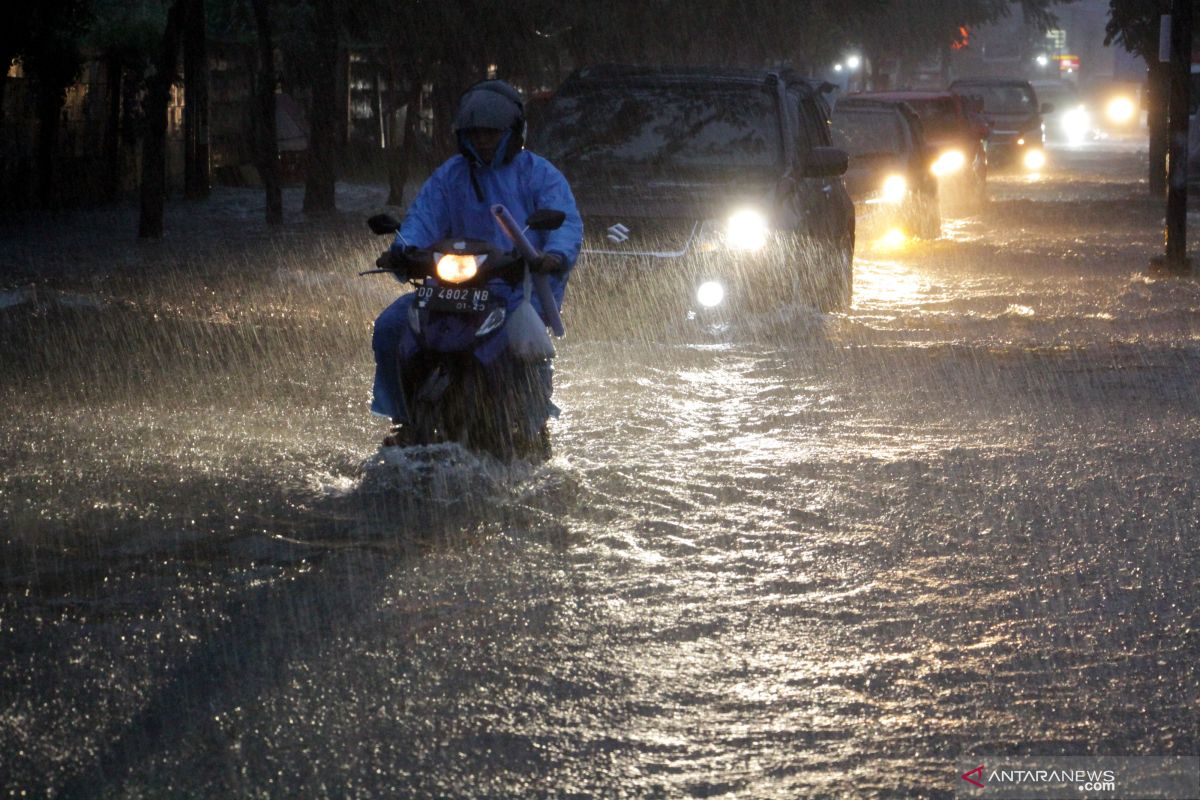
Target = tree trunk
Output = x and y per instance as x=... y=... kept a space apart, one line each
x=112 y=128
x=400 y=157
x=1156 y=120
x=321 y=179
x=266 y=141
x=154 y=146
x=197 y=169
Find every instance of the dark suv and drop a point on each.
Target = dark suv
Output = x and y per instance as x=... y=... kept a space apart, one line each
x=721 y=184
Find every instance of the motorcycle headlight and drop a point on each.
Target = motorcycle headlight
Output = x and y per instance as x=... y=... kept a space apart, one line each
x=948 y=163
x=746 y=230
x=456 y=268
x=895 y=187
x=1120 y=110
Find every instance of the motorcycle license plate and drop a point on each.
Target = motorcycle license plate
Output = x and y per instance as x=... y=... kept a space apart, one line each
x=452 y=299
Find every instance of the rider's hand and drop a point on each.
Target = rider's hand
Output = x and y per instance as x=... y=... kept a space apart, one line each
x=549 y=262
x=385 y=261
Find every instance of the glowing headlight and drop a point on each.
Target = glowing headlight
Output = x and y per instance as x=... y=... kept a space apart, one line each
x=710 y=294
x=1120 y=110
x=895 y=187
x=1076 y=123
x=746 y=230
x=1034 y=160
x=455 y=268
x=948 y=163
x=894 y=239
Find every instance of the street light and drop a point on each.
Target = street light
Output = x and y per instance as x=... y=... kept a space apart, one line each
x=853 y=62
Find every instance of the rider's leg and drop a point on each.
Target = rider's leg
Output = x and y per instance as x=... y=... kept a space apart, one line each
x=392 y=340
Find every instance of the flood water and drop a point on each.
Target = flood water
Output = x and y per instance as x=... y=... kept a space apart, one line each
x=810 y=555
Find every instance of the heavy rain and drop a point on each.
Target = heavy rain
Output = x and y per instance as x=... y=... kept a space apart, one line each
x=789 y=553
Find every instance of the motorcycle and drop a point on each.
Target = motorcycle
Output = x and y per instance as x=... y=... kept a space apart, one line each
x=465 y=384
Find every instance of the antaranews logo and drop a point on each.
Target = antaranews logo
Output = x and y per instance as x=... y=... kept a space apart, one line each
x=978 y=773
x=1071 y=777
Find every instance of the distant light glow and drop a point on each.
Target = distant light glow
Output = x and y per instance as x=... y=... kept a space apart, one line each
x=1076 y=124
x=1035 y=160
x=853 y=62
x=1042 y=61
x=894 y=239
x=1120 y=110
x=837 y=67
x=710 y=294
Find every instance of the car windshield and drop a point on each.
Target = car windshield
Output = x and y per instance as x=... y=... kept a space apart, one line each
x=863 y=132
x=939 y=115
x=674 y=125
x=1003 y=99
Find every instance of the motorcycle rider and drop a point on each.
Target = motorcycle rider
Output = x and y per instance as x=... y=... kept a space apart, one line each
x=491 y=167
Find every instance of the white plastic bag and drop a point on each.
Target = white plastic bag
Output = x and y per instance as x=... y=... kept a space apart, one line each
x=527 y=336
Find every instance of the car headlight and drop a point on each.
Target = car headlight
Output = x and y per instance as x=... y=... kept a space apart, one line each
x=1034 y=160
x=456 y=268
x=1120 y=110
x=948 y=163
x=895 y=188
x=710 y=294
x=746 y=230
x=1076 y=123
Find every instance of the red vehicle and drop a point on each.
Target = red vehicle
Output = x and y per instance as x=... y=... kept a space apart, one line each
x=957 y=133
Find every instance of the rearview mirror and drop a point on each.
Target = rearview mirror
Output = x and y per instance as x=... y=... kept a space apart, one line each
x=546 y=219
x=826 y=162
x=381 y=224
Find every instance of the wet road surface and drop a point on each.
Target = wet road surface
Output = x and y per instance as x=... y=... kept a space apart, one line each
x=813 y=555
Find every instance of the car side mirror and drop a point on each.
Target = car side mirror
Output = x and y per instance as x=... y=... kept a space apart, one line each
x=826 y=162
x=1047 y=108
x=383 y=223
x=546 y=219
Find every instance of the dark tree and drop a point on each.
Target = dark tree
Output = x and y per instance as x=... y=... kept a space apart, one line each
x=52 y=58
x=321 y=174
x=197 y=167
x=15 y=22
x=1134 y=25
x=266 y=141
x=127 y=37
x=154 y=145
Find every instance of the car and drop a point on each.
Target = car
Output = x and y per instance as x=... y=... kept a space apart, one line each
x=1069 y=119
x=957 y=134
x=719 y=185
x=890 y=177
x=1011 y=108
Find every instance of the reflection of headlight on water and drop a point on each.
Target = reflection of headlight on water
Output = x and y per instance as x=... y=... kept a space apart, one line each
x=1120 y=110
x=948 y=163
x=1034 y=160
x=710 y=294
x=1076 y=123
x=746 y=230
x=895 y=187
